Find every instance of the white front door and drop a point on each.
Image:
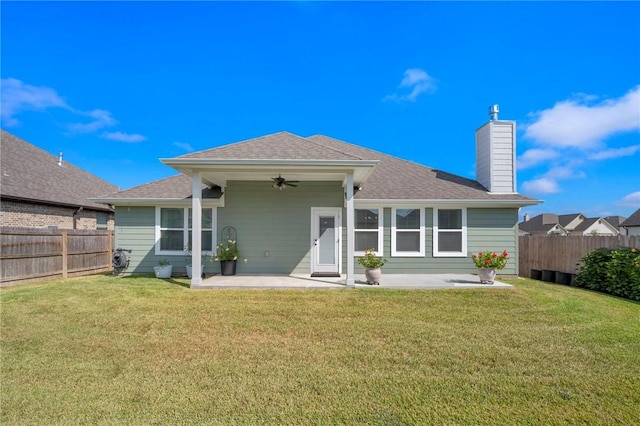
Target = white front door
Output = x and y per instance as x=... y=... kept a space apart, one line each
x=326 y=230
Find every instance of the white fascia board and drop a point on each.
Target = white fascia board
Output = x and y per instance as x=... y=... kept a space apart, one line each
x=360 y=169
x=453 y=203
x=158 y=202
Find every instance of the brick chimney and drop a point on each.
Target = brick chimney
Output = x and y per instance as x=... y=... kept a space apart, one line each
x=496 y=154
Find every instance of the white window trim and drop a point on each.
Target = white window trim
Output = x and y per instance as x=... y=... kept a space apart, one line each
x=380 y=251
x=185 y=229
x=436 y=252
x=394 y=231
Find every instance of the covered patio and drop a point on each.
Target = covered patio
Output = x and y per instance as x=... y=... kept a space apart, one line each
x=391 y=281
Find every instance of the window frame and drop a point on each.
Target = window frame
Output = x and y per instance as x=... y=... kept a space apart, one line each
x=395 y=231
x=436 y=233
x=185 y=229
x=379 y=230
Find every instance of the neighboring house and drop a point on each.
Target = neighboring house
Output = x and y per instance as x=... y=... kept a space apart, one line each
x=616 y=221
x=40 y=190
x=567 y=224
x=632 y=223
x=312 y=205
x=543 y=224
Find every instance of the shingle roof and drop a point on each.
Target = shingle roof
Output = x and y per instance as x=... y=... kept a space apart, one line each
x=174 y=187
x=393 y=178
x=586 y=223
x=633 y=220
x=541 y=223
x=32 y=174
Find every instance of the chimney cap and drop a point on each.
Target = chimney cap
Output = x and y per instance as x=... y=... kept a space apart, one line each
x=493 y=111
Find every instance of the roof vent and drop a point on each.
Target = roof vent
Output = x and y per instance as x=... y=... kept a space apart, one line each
x=60 y=160
x=493 y=112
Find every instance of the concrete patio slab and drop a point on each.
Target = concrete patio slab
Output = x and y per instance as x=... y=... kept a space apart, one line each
x=397 y=281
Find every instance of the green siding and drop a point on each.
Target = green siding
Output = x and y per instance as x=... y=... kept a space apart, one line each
x=135 y=231
x=277 y=221
x=487 y=229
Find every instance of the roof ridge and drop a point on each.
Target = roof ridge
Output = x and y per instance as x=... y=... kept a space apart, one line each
x=239 y=142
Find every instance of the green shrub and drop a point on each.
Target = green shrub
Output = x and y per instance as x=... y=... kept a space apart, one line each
x=613 y=271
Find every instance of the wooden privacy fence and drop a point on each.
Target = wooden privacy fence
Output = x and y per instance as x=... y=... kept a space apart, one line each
x=38 y=254
x=556 y=259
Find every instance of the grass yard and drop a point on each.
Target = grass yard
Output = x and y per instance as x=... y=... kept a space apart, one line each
x=103 y=350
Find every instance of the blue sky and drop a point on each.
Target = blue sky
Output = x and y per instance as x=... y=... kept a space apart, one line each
x=117 y=85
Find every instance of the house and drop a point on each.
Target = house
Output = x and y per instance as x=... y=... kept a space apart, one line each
x=542 y=224
x=616 y=222
x=632 y=223
x=40 y=190
x=311 y=205
x=566 y=224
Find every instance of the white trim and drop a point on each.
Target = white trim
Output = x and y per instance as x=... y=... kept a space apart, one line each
x=164 y=202
x=184 y=229
x=350 y=280
x=337 y=213
x=364 y=203
x=380 y=231
x=196 y=228
x=436 y=252
x=394 y=230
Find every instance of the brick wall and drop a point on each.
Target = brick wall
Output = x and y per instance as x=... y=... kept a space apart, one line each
x=29 y=215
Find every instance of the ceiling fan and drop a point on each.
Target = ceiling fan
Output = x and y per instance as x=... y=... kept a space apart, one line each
x=281 y=183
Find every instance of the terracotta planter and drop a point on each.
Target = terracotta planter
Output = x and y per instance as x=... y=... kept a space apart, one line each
x=228 y=267
x=373 y=275
x=487 y=275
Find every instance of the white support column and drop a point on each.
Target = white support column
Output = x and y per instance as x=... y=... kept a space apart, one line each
x=350 y=229
x=196 y=230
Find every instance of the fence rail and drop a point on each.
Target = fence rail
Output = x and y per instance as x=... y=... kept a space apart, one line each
x=556 y=259
x=38 y=254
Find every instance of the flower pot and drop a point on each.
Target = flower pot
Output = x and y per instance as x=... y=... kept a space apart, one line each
x=163 y=271
x=190 y=274
x=487 y=275
x=228 y=267
x=373 y=275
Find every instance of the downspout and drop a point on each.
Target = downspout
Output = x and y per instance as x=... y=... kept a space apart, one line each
x=196 y=227
x=75 y=217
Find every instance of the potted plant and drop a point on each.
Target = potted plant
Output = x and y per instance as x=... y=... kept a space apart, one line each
x=164 y=269
x=227 y=253
x=372 y=266
x=487 y=263
x=204 y=255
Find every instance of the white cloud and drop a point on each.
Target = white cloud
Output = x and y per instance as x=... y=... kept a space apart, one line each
x=416 y=81
x=124 y=137
x=575 y=123
x=101 y=119
x=17 y=97
x=541 y=186
x=533 y=157
x=183 y=145
x=630 y=200
x=615 y=153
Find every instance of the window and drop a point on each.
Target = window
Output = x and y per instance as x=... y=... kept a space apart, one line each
x=449 y=232
x=407 y=232
x=173 y=229
x=102 y=220
x=368 y=231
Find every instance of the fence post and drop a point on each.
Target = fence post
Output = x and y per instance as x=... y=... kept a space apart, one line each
x=65 y=267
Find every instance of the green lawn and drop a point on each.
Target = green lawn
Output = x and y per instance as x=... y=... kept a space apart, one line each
x=103 y=350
